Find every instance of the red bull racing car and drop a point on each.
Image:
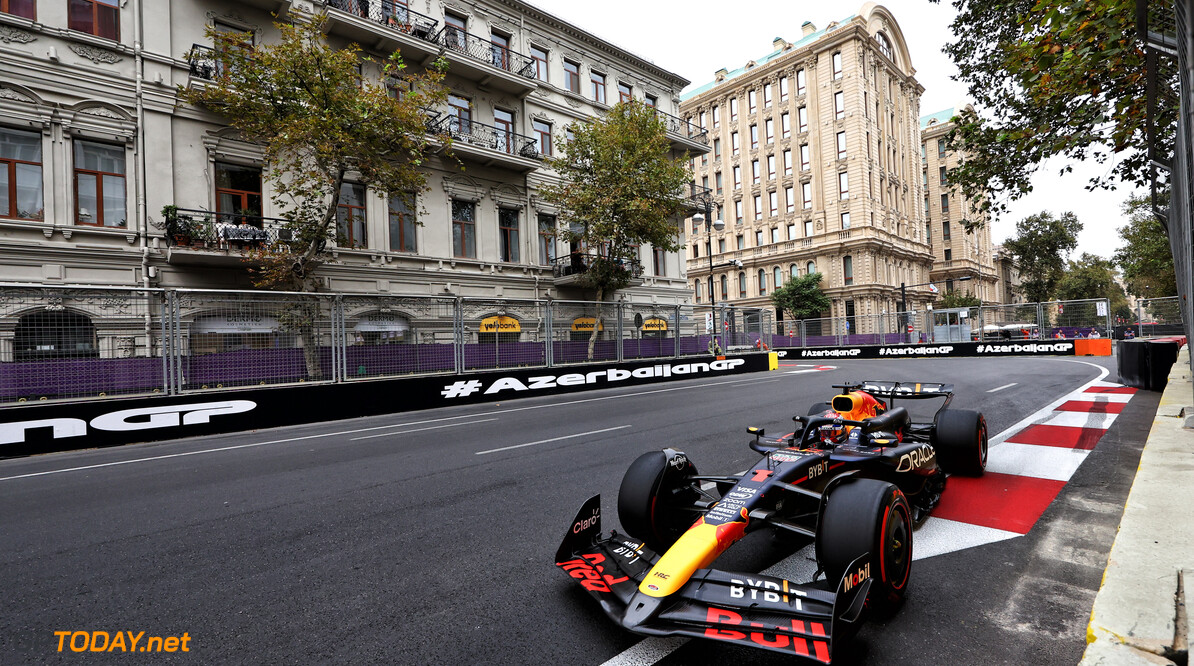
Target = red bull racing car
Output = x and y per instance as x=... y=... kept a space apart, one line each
x=856 y=476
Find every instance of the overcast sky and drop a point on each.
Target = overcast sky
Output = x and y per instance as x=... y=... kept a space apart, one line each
x=695 y=39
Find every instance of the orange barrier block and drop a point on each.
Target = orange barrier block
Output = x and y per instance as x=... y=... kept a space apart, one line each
x=1094 y=347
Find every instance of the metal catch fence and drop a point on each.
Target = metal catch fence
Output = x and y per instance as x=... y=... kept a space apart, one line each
x=1159 y=316
x=80 y=343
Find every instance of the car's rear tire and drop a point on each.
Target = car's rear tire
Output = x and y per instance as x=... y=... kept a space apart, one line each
x=960 y=440
x=656 y=498
x=868 y=516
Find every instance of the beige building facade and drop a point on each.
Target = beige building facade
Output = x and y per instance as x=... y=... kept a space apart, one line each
x=962 y=261
x=815 y=168
x=94 y=144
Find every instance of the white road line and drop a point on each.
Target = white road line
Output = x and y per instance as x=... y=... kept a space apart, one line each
x=553 y=439
x=403 y=432
x=1003 y=387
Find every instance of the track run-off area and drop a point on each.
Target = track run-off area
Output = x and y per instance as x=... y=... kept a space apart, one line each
x=428 y=537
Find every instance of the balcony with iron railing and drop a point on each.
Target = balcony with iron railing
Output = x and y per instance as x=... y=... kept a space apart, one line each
x=486 y=144
x=490 y=64
x=387 y=23
x=204 y=232
x=684 y=135
x=570 y=269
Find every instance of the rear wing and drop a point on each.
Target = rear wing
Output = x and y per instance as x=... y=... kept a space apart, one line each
x=906 y=390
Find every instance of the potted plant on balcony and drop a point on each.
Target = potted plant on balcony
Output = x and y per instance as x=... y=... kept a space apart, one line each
x=178 y=227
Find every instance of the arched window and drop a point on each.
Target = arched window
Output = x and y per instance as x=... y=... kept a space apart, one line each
x=793 y=271
x=779 y=278
x=725 y=287
x=762 y=278
x=884 y=45
x=48 y=335
x=810 y=268
x=698 y=291
x=741 y=284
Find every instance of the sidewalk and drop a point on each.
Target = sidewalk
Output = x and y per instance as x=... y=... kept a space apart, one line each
x=1139 y=615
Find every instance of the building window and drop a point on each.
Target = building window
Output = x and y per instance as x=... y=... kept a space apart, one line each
x=845 y=220
x=402 y=224
x=625 y=94
x=790 y=199
x=659 y=261
x=945 y=231
x=766 y=96
x=774 y=230
x=508 y=234
x=540 y=57
x=698 y=291
x=23 y=8
x=940 y=148
x=788 y=162
x=793 y=271
x=771 y=167
x=759 y=238
x=741 y=284
x=779 y=277
x=20 y=175
x=944 y=205
x=499 y=50
x=804 y=158
x=808 y=228
x=738 y=213
x=837 y=65
x=841 y=145
x=758 y=210
x=800 y=82
x=716 y=117
x=783 y=88
x=94 y=17
x=733 y=109
x=542 y=136
x=572 y=76
x=598 y=81
x=791 y=231
x=717 y=149
x=843 y=185
x=701 y=120
x=949 y=255
x=455 y=30
x=704 y=182
x=839 y=105
x=769 y=130
x=721 y=245
x=941 y=174
x=737 y=177
x=806 y=193
x=754 y=171
x=884 y=45
x=461 y=108
x=45 y=335
x=650 y=100
x=99 y=184
x=734 y=147
x=503 y=122
x=785 y=125
x=762 y=280
x=802 y=119
x=717 y=181
x=752 y=100
x=725 y=288
x=238 y=189
x=740 y=241
x=754 y=136
x=464 y=229
x=810 y=268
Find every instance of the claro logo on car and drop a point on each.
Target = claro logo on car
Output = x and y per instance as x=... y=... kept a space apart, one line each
x=609 y=375
x=127 y=419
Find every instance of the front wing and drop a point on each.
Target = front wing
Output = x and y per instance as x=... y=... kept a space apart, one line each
x=747 y=609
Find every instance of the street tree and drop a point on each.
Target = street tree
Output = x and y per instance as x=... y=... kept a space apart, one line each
x=1145 y=257
x=1051 y=78
x=320 y=124
x=952 y=298
x=1040 y=248
x=619 y=187
x=1091 y=276
x=801 y=297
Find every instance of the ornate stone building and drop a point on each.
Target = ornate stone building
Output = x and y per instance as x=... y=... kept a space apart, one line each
x=94 y=144
x=815 y=168
x=956 y=252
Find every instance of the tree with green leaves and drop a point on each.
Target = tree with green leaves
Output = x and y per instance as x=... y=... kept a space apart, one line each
x=1092 y=276
x=801 y=297
x=1040 y=248
x=952 y=298
x=1145 y=256
x=320 y=124
x=619 y=187
x=1051 y=78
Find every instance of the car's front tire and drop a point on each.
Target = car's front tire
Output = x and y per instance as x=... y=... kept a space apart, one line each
x=868 y=516
x=655 y=500
x=960 y=440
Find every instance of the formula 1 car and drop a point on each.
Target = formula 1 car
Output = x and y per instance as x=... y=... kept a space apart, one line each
x=856 y=476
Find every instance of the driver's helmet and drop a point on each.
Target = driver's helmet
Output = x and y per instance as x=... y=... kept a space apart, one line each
x=833 y=433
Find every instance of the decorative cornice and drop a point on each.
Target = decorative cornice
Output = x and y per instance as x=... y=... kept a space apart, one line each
x=94 y=54
x=9 y=34
x=9 y=93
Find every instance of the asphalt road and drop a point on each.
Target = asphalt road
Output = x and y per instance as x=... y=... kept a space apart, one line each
x=428 y=537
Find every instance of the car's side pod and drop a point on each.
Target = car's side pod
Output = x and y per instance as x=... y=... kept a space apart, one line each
x=585 y=529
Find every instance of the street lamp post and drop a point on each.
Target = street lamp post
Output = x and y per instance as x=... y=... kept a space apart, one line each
x=710 y=225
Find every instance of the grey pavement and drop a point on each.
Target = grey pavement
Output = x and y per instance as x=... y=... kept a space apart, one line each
x=1139 y=614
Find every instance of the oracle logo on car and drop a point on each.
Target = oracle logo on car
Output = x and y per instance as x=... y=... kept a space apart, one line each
x=125 y=420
